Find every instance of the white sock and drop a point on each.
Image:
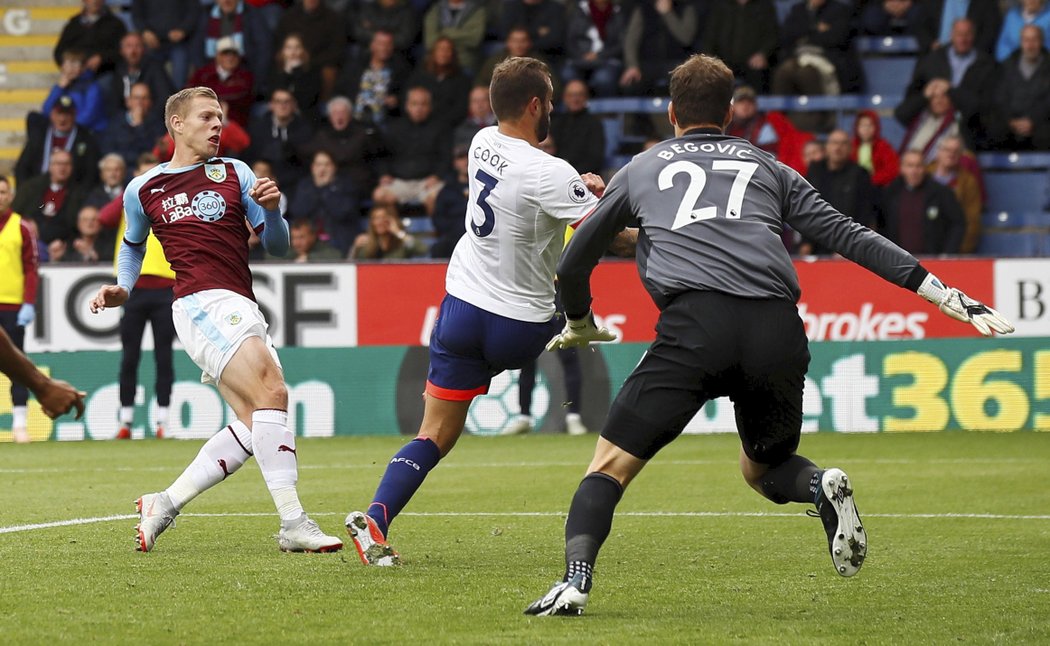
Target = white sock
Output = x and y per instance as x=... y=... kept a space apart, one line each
x=219 y=458
x=127 y=415
x=18 y=417
x=161 y=418
x=274 y=447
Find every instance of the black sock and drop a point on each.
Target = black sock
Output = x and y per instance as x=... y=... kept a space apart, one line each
x=794 y=480
x=589 y=523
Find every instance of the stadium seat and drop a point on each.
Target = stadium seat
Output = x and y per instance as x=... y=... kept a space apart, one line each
x=887 y=75
x=1015 y=191
x=1013 y=244
x=1016 y=220
x=886 y=45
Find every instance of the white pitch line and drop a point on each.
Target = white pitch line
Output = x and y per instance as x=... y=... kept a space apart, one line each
x=529 y=514
x=532 y=465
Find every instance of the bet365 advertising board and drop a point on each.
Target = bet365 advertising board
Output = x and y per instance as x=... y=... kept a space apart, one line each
x=352 y=340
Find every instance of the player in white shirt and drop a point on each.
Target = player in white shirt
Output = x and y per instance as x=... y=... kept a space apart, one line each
x=499 y=312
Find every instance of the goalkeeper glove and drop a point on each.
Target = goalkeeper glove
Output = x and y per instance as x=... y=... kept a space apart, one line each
x=961 y=307
x=26 y=314
x=580 y=333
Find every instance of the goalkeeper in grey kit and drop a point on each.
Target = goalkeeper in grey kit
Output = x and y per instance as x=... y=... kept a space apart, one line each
x=711 y=209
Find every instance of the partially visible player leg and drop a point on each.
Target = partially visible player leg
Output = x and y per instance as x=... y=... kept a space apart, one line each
x=768 y=406
x=220 y=457
x=163 y=337
x=19 y=393
x=443 y=422
x=132 y=325
x=253 y=376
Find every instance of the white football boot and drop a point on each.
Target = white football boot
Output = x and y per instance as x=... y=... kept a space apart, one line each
x=303 y=535
x=520 y=425
x=847 y=540
x=565 y=598
x=156 y=513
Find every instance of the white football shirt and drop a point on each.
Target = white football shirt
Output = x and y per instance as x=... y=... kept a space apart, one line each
x=521 y=200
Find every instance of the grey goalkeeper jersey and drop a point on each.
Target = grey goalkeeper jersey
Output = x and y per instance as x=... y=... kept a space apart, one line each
x=710 y=210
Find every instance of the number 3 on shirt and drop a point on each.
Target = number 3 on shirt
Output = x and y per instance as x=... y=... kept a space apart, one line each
x=488 y=182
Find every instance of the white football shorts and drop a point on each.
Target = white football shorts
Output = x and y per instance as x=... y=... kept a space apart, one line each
x=213 y=324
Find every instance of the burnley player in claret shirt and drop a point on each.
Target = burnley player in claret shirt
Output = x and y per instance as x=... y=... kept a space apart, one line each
x=196 y=205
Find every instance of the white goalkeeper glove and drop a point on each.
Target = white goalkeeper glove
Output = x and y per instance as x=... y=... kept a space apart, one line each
x=961 y=307
x=580 y=333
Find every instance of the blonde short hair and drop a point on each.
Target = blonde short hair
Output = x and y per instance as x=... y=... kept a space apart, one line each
x=178 y=103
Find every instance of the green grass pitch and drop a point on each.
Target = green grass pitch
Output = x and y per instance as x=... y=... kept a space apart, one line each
x=958 y=525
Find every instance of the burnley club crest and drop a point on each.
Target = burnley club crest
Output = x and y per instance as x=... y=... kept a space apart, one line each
x=215 y=172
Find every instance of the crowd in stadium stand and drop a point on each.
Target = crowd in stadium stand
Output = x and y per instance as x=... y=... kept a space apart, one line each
x=364 y=109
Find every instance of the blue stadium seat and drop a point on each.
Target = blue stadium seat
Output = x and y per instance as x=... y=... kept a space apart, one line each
x=886 y=45
x=887 y=75
x=613 y=131
x=1021 y=191
x=1016 y=219
x=418 y=225
x=1013 y=244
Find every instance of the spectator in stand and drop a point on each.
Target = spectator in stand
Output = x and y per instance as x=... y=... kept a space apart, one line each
x=354 y=146
x=242 y=22
x=232 y=140
x=983 y=14
x=816 y=57
x=167 y=28
x=329 y=201
x=419 y=148
x=78 y=83
x=278 y=136
x=57 y=130
x=897 y=18
x=150 y=301
x=307 y=247
x=744 y=34
x=136 y=129
x=91 y=245
x=18 y=290
x=543 y=19
x=134 y=67
x=965 y=73
x=462 y=22
x=373 y=82
x=813 y=151
x=113 y=175
x=949 y=171
x=231 y=80
x=296 y=73
x=450 y=207
x=385 y=238
x=479 y=115
x=449 y=87
x=1027 y=12
x=52 y=199
x=873 y=153
x=845 y=185
x=323 y=33
x=96 y=32
x=772 y=132
x=1020 y=115
x=594 y=44
x=517 y=43
x=580 y=135
x=660 y=35
x=919 y=214
x=939 y=119
x=396 y=17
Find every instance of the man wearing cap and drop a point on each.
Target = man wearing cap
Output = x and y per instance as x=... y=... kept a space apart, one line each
x=231 y=80
x=58 y=129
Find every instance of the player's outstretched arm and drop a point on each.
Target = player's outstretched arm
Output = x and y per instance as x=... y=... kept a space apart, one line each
x=961 y=307
x=55 y=397
x=129 y=266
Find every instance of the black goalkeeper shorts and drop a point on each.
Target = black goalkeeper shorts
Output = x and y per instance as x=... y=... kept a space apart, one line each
x=709 y=345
